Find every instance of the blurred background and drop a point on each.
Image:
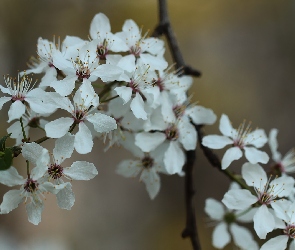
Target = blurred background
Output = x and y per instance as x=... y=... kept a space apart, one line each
x=245 y=50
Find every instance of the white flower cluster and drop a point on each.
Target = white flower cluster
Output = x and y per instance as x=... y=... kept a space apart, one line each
x=268 y=201
x=116 y=86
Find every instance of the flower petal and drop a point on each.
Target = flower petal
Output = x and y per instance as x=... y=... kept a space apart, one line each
x=254 y=175
x=147 y=142
x=10 y=177
x=65 y=197
x=254 y=155
x=17 y=109
x=263 y=222
x=83 y=139
x=216 y=141
x=152 y=182
x=230 y=155
x=129 y=168
x=214 y=209
x=225 y=126
x=102 y=123
x=174 y=158
x=220 y=236
x=58 y=127
x=81 y=170
x=34 y=211
x=238 y=199
x=64 y=147
x=10 y=201
x=276 y=243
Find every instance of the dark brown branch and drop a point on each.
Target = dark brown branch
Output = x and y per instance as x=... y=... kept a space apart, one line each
x=191 y=228
x=215 y=161
x=164 y=28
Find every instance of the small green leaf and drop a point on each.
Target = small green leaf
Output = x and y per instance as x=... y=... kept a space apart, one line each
x=6 y=159
x=2 y=142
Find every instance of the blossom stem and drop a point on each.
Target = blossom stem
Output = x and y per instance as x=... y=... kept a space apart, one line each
x=107 y=100
x=23 y=129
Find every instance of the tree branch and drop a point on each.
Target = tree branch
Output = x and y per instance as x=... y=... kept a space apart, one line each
x=164 y=28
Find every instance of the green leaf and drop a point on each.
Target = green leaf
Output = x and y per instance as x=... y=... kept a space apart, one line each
x=2 y=142
x=6 y=159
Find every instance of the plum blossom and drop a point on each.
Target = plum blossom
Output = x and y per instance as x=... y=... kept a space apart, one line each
x=240 y=139
x=55 y=171
x=284 y=164
x=83 y=112
x=148 y=50
x=22 y=94
x=226 y=222
x=105 y=40
x=31 y=192
x=267 y=193
x=284 y=210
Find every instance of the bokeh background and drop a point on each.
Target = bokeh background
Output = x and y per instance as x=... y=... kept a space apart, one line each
x=245 y=50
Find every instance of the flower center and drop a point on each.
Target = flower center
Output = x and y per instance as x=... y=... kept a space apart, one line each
x=229 y=218
x=241 y=135
x=172 y=133
x=31 y=185
x=290 y=231
x=136 y=50
x=147 y=162
x=102 y=50
x=55 y=171
x=83 y=72
x=179 y=110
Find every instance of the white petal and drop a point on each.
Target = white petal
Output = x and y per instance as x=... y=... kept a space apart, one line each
x=276 y=243
x=100 y=25
x=10 y=177
x=241 y=236
x=58 y=127
x=102 y=123
x=282 y=186
x=65 y=198
x=187 y=134
x=225 y=126
x=263 y=222
x=155 y=62
x=64 y=147
x=257 y=138
x=81 y=170
x=174 y=158
x=254 y=175
x=220 y=236
x=65 y=86
x=129 y=168
x=4 y=100
x=83 y=139
x=34 y=211
x=238 y=199
x=254 y=155
x=201 y=115
x=11 y=200
x=17 y=109
x=108 y=72
x=214 y=209
x=231 y=155
x=273 y=144
x=137 y=107
x=152 y=182
x=216 y=141
x=149 y=141
x=124 y=92
x=32 y=152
